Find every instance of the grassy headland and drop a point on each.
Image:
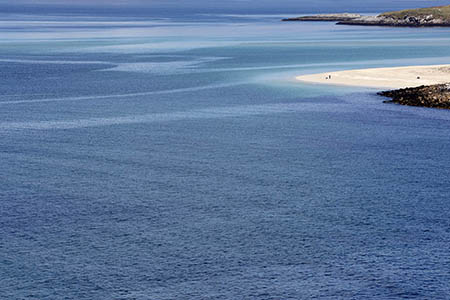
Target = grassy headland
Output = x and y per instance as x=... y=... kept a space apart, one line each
x=439 y=12
x=421 y=17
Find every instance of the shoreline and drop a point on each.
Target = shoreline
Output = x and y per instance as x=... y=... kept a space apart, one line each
x=389 y=78
x=437 y=16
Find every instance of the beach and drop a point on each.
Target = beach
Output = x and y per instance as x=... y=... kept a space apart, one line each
x=396 y=78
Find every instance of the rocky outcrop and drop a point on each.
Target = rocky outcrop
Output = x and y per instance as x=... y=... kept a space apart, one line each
x=422 y=17
x=437 y=96
x=407 y=21
x=326 y=17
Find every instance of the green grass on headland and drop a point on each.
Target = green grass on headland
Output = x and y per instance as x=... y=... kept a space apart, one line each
x=439 y=12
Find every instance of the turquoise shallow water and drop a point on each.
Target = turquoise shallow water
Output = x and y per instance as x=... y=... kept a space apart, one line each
x=176 y=158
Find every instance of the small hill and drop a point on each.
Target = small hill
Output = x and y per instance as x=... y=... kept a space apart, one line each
x=421 y=17
x=439 y=12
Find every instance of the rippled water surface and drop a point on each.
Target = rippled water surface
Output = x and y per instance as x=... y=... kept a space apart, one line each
x=177 y=158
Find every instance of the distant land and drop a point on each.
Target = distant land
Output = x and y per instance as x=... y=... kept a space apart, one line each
x=422 y=17
x=327 y=17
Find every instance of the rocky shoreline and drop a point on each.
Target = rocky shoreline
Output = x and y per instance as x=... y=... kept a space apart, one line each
x=435 y=96
x=407 y=21
x=325 y=17
x=423 y=17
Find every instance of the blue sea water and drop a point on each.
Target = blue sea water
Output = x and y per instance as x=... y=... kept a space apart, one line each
x=177 y=158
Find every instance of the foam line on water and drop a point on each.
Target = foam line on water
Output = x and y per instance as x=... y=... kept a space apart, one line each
x=130 y=95
x=170 y=67
x=158 y=47
x=207 y=113
x=56 y=62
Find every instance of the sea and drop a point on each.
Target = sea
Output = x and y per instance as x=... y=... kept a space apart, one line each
x=176 y=157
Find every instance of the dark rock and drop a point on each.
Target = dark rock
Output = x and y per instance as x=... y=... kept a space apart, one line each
x=437 y=96
x=394 y=22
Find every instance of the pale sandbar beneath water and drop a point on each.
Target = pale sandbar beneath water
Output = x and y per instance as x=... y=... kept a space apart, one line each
x=395 y=78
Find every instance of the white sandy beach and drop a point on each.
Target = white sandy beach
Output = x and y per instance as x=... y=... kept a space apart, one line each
x=399 y=77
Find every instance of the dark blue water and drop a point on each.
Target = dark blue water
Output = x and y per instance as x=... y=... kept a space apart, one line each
x=178 y=159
